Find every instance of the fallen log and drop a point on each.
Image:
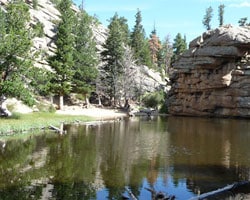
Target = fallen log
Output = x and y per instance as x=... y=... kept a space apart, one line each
x=58 y=130
x=131 y=194
x=226 y=191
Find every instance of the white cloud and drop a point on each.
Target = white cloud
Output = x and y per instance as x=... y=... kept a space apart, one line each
x=240 y=5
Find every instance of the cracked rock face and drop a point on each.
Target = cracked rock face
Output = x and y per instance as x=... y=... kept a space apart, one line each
x=212 y=78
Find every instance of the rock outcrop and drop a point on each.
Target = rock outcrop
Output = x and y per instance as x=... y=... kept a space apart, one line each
x=212 y=78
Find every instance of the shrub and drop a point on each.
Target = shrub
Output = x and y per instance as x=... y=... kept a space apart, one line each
x=154 y=100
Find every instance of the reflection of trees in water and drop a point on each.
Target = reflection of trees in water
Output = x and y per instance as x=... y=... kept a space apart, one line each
x=129 y=152
x=207 y=153
x=211 y=153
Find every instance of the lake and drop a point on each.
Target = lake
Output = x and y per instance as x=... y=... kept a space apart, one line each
x=180 y=156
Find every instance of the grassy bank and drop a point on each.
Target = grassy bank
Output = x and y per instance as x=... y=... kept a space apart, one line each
x=25 y=122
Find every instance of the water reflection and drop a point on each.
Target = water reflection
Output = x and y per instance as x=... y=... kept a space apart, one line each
x=180 y=156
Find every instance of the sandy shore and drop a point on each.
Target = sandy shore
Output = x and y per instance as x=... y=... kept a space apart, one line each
x=98 y=113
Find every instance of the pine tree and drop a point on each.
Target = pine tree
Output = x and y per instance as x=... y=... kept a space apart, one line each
x=179 y=46
x=243 y=21
x=221 y=14
x=155 y=47
x=15 y=54
x=139 y=42
x=85 y=57
x=207 y=18
x=62 y=61
x=112 y=56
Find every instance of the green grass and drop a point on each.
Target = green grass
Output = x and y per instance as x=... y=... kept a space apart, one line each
x=24 y=122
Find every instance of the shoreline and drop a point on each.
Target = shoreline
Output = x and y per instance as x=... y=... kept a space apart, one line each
x=20 y=123
x=95 y=113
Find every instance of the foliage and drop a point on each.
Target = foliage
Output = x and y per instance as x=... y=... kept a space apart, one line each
x=179 y=46
x=221 y=14
x=62 y=62
x=112 y=56
x=85 y=56
x=154 y=100
x=35 y=4
x=15 y=55
x=38 y=29
x=207 y=18
x=243 y=22
x=42 y=107
x=139 y=43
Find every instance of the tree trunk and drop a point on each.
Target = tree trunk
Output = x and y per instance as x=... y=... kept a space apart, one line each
x=61 y=103
x=87 y=101
x=99 y=101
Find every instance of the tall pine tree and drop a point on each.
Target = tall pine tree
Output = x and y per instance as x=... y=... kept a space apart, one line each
x=207 y=18
x=112 y=57
x=139 y=42
x=15 y=51
x=221 y=14
x=85 y=57
x=62 y=61
x=179 y=46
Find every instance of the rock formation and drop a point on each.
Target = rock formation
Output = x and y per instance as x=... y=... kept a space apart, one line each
x=212 y=78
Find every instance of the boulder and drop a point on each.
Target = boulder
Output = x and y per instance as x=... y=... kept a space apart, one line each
x=212 y=78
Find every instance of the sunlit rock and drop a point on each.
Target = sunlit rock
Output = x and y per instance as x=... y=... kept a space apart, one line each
x=212 y=78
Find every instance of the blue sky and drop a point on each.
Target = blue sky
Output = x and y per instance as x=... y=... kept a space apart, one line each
x=169 y=16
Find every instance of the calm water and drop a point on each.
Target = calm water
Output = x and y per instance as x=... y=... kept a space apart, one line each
x=179 y=156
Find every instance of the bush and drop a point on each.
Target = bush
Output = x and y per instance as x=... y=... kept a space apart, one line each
x=35 y=4
x=38 y=29
x=46 y=107
x=154 y=100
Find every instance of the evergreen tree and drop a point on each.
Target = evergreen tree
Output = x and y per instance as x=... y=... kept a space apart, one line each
x=139 y=43
x=15 y=54
x=112 y=56
x=124 y=30
x=207 y=18
x=62 y=61
x=221 y=14
x=155 y=47
x=179 y=46
x=85 y=57
x=243 y=21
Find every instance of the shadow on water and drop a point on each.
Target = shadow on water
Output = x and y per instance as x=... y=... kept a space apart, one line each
x=178 y=156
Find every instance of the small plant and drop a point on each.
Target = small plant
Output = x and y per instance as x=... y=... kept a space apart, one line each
x=35 y=4
x=15 y=116
x=38 y=29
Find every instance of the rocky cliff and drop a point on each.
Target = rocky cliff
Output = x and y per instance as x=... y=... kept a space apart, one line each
x=212 y=78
